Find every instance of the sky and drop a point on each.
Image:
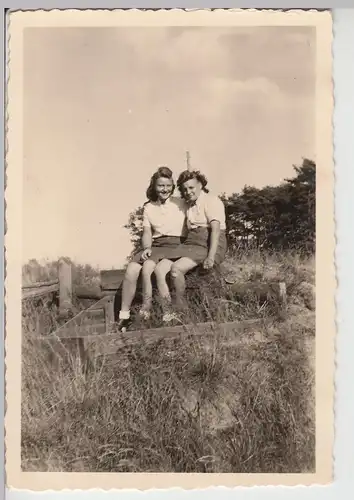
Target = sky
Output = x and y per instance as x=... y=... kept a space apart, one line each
x=104 y=107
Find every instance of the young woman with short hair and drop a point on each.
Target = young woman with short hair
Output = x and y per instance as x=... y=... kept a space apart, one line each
x=205 y=244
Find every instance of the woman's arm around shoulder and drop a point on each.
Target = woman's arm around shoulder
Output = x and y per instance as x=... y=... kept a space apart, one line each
x=179 y=202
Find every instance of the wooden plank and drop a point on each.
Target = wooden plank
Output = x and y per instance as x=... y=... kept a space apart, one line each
x=40 y=284
x=40 y=291
x=108 y=344
x=93 y=342
x=112 y=279
x=100 y=304
x=82 y=324
x=88 y=292
x=95 y=314
x=80 y=331
x=108 y=293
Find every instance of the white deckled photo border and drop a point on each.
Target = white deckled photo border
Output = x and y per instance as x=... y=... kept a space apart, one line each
x=325 y=237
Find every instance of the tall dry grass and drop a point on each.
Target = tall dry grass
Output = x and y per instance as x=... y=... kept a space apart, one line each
x=186 y=406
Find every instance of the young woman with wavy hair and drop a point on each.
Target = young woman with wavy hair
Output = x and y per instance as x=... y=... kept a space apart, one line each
x=164 y=228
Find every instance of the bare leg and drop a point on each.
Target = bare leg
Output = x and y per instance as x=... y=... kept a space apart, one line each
x=148 y=269
x=129 y=285
x=178 y=271
x=161 y=271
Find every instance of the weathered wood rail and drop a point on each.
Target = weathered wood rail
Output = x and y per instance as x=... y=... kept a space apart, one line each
x=91 y=331
x=40 y=289
x=96 y=344
x=66 y=291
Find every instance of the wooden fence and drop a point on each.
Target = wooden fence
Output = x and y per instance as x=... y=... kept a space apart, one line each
x=91 y=331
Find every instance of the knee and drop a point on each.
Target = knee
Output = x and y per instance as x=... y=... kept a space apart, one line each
x=148 y=268
x=160 y=272
x=132 y=272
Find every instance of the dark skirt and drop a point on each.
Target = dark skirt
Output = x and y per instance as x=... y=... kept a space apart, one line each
x=163 y=247
x=196 y=246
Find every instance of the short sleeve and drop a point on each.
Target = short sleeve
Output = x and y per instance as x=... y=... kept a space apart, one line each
x=146 y=219
x=215 y=210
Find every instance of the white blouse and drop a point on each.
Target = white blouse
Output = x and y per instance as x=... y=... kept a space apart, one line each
x=165 y=219
x=206 y=209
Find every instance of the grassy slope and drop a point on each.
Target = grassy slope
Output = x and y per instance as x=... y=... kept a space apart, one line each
x=193 y=407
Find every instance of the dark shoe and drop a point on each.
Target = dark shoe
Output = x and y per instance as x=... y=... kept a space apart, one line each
x=123 y=325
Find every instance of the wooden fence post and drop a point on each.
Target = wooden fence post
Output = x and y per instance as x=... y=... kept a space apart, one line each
x=109 y=313
x=65 y=287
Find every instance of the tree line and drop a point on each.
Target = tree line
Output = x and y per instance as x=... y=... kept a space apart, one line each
x=273 y=217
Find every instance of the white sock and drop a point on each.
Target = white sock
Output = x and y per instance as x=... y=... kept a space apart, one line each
x=124 y=314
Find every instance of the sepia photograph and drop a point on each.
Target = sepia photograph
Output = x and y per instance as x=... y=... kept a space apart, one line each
x=170 y=239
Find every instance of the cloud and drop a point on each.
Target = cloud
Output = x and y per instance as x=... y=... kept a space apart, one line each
x=104 y=107
x=285 y=55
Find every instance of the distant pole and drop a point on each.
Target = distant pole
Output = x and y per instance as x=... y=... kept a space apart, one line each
x=188 y=158
x=65 y=287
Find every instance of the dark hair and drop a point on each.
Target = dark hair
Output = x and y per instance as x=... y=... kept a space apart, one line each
x=160 y=172
x=187 y=175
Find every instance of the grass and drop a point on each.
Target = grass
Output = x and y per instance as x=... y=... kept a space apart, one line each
x=186 y=406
